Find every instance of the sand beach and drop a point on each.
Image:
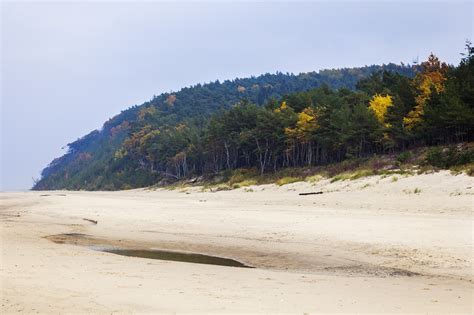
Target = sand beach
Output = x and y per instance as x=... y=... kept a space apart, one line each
x=371 y=245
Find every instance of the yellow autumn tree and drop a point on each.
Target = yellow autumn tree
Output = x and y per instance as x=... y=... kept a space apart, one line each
x=303 y=133
x=306 y=124
x=432 y=75
x=379 y=104
x=282 y=107
x=146 y=111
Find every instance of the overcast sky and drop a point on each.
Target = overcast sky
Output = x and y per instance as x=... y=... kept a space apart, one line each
x=66 y=67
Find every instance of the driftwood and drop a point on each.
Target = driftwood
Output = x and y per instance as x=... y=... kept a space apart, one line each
x=90 y=220
x=311 y=193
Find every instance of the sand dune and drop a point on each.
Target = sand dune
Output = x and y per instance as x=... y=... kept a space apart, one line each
x=369 y=245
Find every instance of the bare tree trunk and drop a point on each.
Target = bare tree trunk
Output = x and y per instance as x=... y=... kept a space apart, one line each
x=317 y=152
x=310 y=154
x=262 y=157
x=227 y=154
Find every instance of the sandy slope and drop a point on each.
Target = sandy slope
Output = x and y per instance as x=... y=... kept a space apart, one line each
x=370 y=245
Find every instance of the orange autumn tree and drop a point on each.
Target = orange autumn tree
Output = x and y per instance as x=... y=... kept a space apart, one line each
x=432 y=75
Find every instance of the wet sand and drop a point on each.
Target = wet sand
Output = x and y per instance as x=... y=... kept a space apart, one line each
x=369 y=245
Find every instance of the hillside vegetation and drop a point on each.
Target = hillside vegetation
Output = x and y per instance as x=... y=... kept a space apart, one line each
x=272 y=123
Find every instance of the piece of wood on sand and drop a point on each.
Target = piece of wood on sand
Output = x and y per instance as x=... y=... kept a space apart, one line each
x=311 y=193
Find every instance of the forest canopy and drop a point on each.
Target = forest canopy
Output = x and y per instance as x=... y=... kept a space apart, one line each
x=273 y=122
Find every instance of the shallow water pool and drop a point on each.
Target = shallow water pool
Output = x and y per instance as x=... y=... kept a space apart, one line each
x=176 y=256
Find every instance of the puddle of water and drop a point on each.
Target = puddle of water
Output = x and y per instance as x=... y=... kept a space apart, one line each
x=84 y=240
x=176 y=256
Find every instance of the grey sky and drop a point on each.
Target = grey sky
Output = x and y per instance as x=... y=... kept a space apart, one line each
x=68 y=67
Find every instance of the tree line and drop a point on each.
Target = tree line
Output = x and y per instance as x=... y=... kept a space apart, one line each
x=387 y=112
x=272 y=122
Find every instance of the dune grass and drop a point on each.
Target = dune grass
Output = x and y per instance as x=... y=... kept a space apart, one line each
x=408 y=163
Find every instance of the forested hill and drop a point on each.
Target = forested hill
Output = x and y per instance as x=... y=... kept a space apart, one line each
x=112 y=158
